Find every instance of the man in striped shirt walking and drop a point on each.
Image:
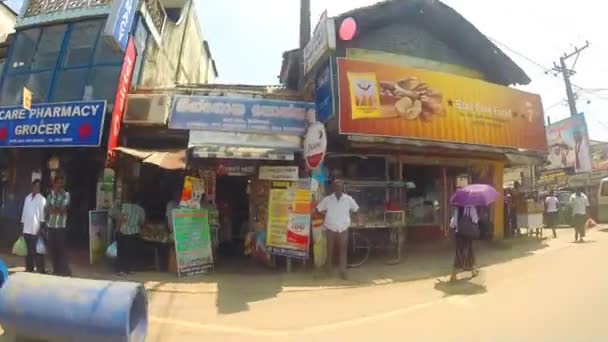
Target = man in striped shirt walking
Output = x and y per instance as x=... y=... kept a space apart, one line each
x=130 y=220
x=57 y=206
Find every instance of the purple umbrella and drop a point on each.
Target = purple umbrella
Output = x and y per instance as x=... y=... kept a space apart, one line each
x=475 y=194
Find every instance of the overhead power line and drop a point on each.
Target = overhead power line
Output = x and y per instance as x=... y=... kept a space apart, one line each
x=547 y=71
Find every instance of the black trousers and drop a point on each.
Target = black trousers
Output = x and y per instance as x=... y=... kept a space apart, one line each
x=32 y=258
x=125 y=248
x=58 y=253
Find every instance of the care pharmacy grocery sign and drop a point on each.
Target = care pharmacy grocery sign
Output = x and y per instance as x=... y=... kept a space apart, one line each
x=53 y=125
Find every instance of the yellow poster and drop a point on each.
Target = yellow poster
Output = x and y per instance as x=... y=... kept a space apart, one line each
x=365 y=99
x=192 y=192
x=429 y=105
x=289 y=219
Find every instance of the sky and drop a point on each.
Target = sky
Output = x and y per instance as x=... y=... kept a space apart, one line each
x=247 y=39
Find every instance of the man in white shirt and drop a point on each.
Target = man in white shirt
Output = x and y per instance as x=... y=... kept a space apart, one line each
x=33 y=222
x=337 y=208
x=579 y=204
x=551 y=205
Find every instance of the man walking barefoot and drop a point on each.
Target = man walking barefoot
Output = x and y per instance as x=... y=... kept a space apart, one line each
x=337 y=208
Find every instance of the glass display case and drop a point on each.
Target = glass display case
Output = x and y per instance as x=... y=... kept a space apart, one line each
x=381 y=203
x=424 y=210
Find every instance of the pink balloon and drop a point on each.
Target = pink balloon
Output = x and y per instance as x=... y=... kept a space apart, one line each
x=348 y=29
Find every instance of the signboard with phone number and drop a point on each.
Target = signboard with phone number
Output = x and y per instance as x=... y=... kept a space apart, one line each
x=53 y=125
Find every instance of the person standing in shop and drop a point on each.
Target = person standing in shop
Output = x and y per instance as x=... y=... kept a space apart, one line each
x=579 y=204
x=338 y=208
x=551 y=208
x=32 y=219
x=58 y=203
x=131 y=219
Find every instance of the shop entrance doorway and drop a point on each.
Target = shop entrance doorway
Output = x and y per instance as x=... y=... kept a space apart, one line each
x=232 y=201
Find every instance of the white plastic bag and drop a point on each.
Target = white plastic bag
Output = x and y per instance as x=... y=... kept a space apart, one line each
x=40 y=247
x=111 y=251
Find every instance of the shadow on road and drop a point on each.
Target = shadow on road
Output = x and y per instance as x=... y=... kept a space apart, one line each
x=463 y=287
x=238 y=284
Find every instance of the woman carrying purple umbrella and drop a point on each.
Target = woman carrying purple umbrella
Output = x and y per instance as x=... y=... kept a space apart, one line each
x=465 y=223
x=465 y=255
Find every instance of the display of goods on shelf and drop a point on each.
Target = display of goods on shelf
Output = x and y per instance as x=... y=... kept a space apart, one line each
x=156 y=233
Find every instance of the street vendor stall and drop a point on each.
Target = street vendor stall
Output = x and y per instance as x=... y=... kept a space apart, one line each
x=154 y=180
x=382 y=223
x=530 y=211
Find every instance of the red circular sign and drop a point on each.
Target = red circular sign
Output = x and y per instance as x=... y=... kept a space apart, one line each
x=348 y=29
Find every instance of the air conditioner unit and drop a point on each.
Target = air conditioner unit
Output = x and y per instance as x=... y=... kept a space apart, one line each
x=147 y=109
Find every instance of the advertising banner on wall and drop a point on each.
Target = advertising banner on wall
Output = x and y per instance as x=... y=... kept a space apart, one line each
x=599 y=155
x=235 y=114
x=124 y=84
x=400 y=102
x=288 y=231
x=569 y=145
x=119 y=23
x=53 y=125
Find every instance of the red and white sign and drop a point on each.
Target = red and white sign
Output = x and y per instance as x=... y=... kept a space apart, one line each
x=124 y=84
x=315 y=145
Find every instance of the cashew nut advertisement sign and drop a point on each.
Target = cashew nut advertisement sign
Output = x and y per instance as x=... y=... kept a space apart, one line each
x=394 y=101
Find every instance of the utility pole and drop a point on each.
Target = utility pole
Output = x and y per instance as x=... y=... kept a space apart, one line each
x=304 y=23
x=563 y=69
x=304 y=36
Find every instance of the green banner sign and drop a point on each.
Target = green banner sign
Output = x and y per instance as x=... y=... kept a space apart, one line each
x=192 y=241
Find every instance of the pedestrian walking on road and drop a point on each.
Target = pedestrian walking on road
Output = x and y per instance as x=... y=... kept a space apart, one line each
x=58 y=204
x=580 y=205
x=464 y=258
x=338 y=208
x=32 y=219
x=551 y=203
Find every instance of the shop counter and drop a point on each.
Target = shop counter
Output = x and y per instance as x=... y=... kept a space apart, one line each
x=157 y=237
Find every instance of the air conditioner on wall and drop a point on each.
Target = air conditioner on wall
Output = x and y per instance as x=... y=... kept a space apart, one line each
x=147 y=109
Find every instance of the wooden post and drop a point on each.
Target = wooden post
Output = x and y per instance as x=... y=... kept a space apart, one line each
x=289 y=265
x=499 y=209
x=445 y=205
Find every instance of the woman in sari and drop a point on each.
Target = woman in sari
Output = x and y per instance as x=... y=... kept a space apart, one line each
x=465 y=256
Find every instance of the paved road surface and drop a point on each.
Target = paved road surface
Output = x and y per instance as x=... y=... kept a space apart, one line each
x=558 y=293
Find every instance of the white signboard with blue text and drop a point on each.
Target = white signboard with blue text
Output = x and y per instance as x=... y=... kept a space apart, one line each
x=120 y=21
x=53 y=125
x=232 y=114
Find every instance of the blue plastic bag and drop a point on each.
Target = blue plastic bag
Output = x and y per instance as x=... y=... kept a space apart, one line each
x=111 y=251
